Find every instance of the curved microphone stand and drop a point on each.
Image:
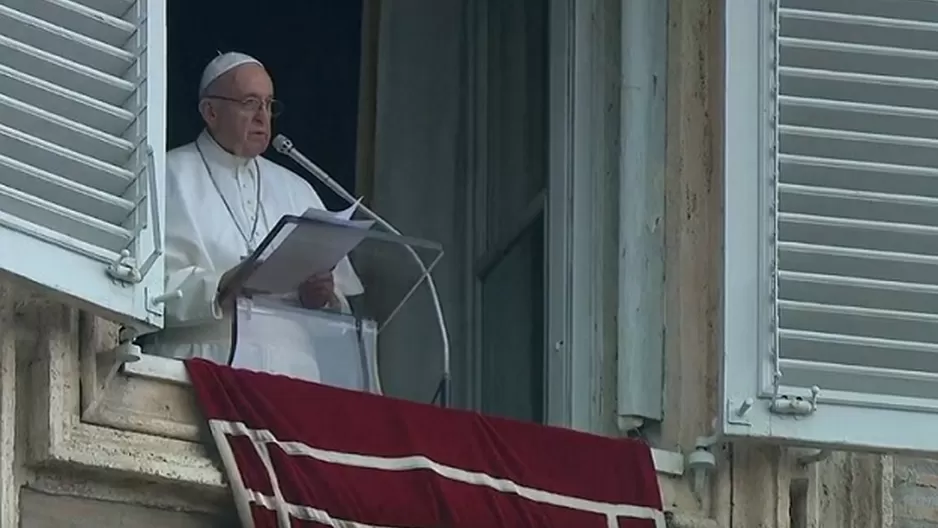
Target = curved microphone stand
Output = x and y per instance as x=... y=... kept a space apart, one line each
x=284 y=146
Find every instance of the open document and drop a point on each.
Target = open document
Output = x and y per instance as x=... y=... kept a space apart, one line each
x=301 y=250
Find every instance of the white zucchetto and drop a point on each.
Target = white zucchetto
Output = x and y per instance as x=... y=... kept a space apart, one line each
x=222 y=64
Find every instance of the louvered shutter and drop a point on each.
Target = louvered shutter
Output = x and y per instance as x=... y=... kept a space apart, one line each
x=831 y=285
x=82 y=95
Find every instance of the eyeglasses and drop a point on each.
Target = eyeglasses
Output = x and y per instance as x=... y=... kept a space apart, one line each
x=252 y=105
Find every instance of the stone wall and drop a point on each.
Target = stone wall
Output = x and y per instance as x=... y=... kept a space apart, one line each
x=42 y=510
x=59 y=442
x=915 y=493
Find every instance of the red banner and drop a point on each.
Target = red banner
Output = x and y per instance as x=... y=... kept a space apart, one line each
x=304 y=454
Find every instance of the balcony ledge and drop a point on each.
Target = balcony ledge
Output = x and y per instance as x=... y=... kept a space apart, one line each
x=174 y=371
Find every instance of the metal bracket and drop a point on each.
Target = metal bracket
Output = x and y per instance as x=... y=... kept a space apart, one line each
x=125 y=352
x=154 y=303
x=795 y=405
x=701 y=463
x=736 y=412
x=806 y=457
x=124 y=268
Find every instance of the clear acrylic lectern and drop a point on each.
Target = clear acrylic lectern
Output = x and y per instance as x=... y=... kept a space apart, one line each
x=336 y=345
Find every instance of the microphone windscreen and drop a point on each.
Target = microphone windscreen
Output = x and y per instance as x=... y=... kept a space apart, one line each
x=282 y=144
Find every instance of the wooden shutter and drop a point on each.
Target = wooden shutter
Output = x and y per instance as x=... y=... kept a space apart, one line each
x=831 y=301
x=82 y=150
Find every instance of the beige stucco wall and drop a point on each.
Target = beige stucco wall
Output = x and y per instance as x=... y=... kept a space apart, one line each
x=135 y=458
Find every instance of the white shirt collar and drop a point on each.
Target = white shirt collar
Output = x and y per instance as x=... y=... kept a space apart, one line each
x=214 y=152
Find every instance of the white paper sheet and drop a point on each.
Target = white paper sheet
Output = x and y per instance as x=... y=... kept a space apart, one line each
x=302 y=250
x=345 y=214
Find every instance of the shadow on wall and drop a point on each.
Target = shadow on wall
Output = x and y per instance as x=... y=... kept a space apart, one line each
x=312 y=50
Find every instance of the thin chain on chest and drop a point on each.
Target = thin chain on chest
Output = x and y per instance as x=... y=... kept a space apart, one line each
x=258 y=205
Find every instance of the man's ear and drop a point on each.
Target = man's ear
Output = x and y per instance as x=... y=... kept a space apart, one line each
x=207 y=111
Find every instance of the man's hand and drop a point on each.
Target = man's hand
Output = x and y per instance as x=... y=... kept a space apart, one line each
x=317 y=291
x=224 y=282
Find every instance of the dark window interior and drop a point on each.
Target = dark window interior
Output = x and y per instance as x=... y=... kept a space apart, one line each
x=312 y=49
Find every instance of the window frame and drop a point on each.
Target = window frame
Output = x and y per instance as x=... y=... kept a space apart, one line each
x=570 y=258
x=576 y=138
x=578 y=272
x=573 y=398
x=580 y=275
x=482 y=251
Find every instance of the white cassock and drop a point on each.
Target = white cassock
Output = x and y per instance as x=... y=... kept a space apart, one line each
x=211 y=209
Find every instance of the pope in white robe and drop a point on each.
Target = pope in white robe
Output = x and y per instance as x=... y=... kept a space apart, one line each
x=222 y=199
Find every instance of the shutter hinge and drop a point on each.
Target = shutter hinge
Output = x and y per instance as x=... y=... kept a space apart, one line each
x=795 y=405
x=736 y=412
x=124 y=269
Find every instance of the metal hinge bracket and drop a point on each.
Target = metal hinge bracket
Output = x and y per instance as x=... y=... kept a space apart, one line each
x=795 y=405
x=124 y=269
x=736 y=412
x=155 y=302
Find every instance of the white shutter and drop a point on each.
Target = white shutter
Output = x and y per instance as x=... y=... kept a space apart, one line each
x=82 y=96
x=831 y=264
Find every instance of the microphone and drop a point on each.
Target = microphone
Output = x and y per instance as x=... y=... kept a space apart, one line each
x=283 y=145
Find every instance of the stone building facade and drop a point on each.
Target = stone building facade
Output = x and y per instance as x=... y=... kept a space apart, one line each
x=82 y=446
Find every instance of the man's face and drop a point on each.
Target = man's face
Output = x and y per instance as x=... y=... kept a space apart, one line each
x=236 y=110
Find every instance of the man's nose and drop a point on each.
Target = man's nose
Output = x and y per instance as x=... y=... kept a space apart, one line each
x=262 y=115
